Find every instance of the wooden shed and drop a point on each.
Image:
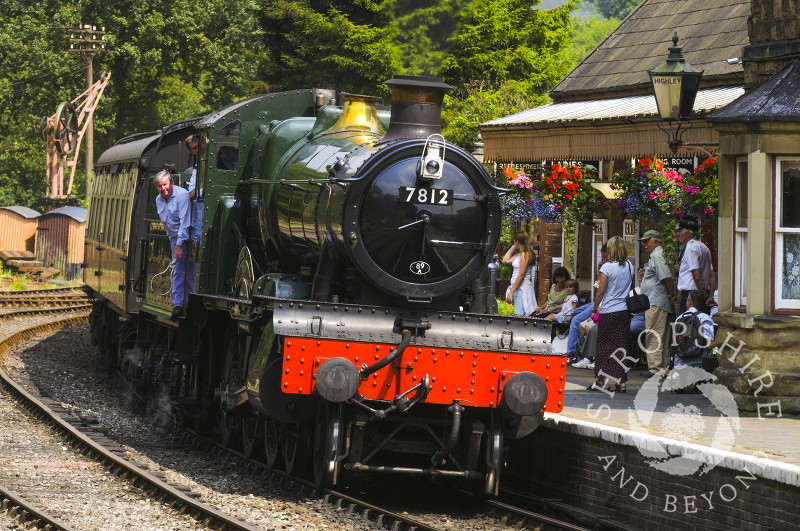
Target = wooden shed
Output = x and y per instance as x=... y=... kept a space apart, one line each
x=18 y=229
x=60 y=240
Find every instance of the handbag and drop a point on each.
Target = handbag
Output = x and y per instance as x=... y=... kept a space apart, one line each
x=637 y=302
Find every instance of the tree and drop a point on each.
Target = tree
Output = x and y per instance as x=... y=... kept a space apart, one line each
x=35 y=76
x=479 y=102
x=505 y=57
x=617 y=9
x=341 y=45
x=588 y=34
x=169 y=60
x=420 y=33
x=509 y=40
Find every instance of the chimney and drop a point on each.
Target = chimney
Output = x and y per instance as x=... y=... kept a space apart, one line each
x=416 y=106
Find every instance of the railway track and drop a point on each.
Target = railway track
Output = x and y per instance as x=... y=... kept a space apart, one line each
x=41 y=292
x=90 y=441
x=93 y=444
x=50 y=301
x=15 y=314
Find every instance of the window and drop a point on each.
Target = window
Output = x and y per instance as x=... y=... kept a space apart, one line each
x=228 y=146
x=787 y=234
x=740 y=235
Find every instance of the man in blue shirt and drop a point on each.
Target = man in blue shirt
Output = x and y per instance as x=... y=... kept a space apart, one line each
x=173 y=205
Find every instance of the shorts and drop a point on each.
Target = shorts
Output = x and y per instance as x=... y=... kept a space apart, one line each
x=561 y=318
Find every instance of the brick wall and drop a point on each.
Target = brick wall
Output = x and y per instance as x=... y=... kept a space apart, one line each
x=566 y=469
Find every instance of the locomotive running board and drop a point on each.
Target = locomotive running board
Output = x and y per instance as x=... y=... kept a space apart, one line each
x=347 y=322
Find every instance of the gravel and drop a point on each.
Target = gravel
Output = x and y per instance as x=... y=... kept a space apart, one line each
x=68 y=369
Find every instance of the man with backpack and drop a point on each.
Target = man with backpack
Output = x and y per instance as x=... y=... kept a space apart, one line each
x=692 y=333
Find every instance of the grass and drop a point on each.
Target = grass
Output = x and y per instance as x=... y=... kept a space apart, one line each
x=10 y=281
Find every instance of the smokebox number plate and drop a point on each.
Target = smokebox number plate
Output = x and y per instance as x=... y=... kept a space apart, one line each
x=426 y=196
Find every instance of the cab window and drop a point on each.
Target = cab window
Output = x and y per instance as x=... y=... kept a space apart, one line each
x=228 y=146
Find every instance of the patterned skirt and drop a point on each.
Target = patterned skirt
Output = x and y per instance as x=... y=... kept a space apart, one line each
x=613 y=330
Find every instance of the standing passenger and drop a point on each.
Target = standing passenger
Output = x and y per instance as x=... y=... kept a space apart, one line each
x=173 y=205
x=520 y=291
x=695 y=266
x=659 y=287
x=614 y=320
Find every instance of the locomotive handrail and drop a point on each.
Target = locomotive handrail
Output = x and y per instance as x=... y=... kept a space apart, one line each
x=290 y=181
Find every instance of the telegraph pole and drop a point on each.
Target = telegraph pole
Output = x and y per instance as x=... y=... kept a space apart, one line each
x=89 y=40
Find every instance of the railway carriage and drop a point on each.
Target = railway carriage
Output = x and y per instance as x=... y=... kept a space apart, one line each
x=342 y=321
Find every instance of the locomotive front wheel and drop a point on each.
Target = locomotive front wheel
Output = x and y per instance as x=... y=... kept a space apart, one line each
x=230 y=424
x=229 y=427
x=295 y=449
x=252 y=433
x=327 y=443
x=494 y=457
x=272 y=443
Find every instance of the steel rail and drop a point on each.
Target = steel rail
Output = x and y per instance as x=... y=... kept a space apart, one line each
x=13 y=314
x=22 y=302
x=530 y=515
x=204 y=514
x=27 y=514
x=40 y=292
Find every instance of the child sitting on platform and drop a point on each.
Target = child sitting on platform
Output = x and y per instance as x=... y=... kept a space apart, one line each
x=570 y=303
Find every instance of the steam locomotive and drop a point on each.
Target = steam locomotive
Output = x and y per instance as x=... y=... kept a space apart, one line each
x=342 y=321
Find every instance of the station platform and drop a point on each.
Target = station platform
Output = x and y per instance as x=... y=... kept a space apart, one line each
x=651 y=458
x=676 y=417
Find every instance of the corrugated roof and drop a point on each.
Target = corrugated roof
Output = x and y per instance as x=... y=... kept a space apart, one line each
x=710 y=32
x=23 y=211
x=774 y=100
x=129 y=148
x=613 y=108
x=76 y=213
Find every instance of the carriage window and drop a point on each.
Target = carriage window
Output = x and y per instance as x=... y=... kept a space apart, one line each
x=228 y=146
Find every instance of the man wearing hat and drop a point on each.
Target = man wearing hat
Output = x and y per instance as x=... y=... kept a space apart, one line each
x=695 y=266
x=659 y=287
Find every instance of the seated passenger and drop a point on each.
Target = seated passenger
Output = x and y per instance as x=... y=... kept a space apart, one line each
x=569 y=305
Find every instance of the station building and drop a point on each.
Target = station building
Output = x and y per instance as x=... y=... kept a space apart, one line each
x=604 y=114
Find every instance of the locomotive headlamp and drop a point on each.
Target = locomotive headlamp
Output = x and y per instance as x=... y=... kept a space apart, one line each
x=433 y=157
x=525 y=393
x=337 y=380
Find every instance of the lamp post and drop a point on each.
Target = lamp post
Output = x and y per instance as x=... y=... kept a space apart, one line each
x=675 y=83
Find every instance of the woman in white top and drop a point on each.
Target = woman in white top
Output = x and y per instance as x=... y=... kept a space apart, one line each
x=614 y=319
x=520 y=290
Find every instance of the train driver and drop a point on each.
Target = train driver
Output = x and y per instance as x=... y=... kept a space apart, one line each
x=174 y=207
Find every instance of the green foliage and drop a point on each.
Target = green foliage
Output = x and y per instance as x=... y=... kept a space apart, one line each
x=479 y=102
x=504 y=308
x=588 y=34
x=618 y=9
x=331 y=44
x=34 y=76
x=509 y=40
x=175 y=59
x=649 y=192
x=420 y=29
x=504 y=57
